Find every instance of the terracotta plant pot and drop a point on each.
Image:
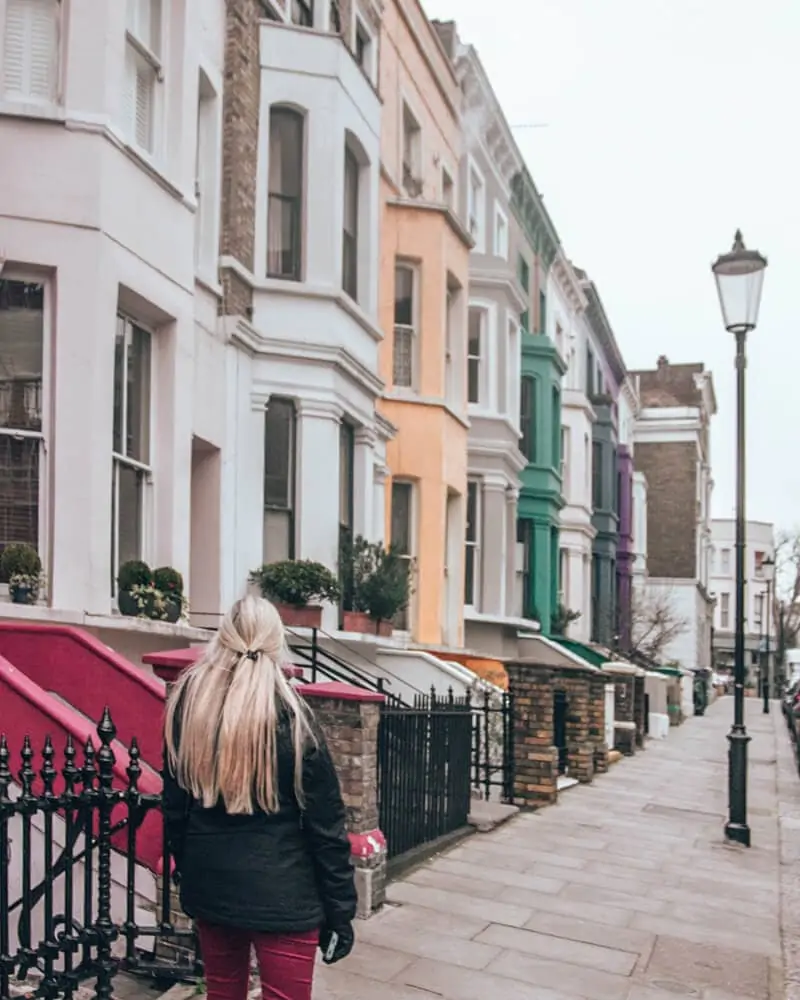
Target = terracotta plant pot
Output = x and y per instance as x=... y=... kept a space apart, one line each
x=360 y=621
x=309 y=616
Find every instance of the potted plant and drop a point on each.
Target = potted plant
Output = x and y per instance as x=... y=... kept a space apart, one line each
x=134 y=579
x=169 y=601
x=381 y=587
x=21 y=566
x=297 y=587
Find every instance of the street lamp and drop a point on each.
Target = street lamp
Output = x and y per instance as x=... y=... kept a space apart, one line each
x=768 y=566
x=739 y=276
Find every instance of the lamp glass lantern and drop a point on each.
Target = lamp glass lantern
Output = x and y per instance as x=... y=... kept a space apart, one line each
x=739 y=275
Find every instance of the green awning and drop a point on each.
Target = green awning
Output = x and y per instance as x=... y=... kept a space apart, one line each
x=669 y=671
x=580 y=649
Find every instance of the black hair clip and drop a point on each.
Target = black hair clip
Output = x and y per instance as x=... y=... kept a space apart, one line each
x=251 y=654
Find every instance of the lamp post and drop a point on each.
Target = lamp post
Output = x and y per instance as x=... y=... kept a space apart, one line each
x=739 y=276
x=768 y=566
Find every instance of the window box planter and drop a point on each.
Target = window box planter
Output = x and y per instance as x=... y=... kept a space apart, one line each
x=305 y=616
x=360 y=622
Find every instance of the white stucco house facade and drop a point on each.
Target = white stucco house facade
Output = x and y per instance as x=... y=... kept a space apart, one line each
x=569 y=331
x=302 y=371
x=109 y=347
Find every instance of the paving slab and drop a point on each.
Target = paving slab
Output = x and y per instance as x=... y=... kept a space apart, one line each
x=625 y=890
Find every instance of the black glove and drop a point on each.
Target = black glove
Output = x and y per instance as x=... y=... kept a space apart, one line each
x=346 y=938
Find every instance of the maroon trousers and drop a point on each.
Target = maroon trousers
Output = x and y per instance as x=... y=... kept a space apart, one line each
x=285 y=962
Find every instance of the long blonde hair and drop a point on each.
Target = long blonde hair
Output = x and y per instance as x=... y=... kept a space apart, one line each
x=227 y=707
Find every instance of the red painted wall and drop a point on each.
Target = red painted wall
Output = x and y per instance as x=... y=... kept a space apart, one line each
x=88 y=675
x=27 y=710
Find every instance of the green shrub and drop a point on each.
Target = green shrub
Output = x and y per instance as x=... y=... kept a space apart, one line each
x=169 y=581
x=380 y=578
x=134 y=574
x=20 y=559
x=296 y=582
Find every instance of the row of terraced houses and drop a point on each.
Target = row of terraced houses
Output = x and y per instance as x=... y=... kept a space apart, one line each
x=274 y=272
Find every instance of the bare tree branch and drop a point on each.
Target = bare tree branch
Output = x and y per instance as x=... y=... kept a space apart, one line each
x=654 y=624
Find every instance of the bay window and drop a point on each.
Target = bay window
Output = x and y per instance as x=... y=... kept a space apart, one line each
x=143 y=72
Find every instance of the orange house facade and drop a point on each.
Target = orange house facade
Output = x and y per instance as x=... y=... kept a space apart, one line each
x=423 y=309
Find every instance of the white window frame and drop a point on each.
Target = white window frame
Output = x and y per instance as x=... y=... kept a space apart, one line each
x=759 y=600
x=139 y=55
x=725 y=562
x=411 y=181
x=452 y=203
x=566 y=463
x=724 y=611
x=413 y=330
x=480 y=357
x=476 y=208
x=208 y=165
x=513 y=369
x=500 y=238
x=118 y=460
x=451 y=303
x=27 y=102
x=361 y=23
x=475 y=544
x=563 y=576
x=43 y=520
x=413 y=515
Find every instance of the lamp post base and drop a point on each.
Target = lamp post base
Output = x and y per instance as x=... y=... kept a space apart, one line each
x=736 y=829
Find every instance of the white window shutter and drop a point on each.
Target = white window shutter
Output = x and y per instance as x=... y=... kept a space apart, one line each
x=129 y=94
x=30 y=50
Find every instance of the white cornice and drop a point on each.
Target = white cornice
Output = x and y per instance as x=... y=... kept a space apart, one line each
x=504 y=283
x=564 y=273
x=511 y=455
x=246 y=335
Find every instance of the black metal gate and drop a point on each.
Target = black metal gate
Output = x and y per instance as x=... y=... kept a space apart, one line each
x=423 y=770
x=493 y=745
x=560 y=706
x=71 y=897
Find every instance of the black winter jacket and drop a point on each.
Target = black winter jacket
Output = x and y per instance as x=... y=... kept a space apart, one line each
x=282 y=872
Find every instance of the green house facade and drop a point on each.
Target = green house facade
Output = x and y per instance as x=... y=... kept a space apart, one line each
x=541 y=372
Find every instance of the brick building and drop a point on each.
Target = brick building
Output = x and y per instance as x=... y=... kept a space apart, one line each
x=673 y=453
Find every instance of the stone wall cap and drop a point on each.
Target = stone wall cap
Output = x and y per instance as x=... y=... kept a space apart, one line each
x=627 y=726
x=337 y=691
x=578 y=666
x=618 y=667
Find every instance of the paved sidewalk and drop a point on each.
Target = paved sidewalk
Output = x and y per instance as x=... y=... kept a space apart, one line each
x=623 y=891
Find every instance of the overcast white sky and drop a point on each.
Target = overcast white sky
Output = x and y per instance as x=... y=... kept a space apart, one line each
x=669 y=124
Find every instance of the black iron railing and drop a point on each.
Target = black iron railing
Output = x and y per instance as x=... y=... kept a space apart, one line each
x=67 y=891
x=493 y=745
x=326 y=661
x=424 y=780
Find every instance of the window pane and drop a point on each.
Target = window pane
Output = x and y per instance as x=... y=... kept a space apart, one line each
x=285 y=152
x=131 y=487
x=278 y=540
x=284 y=216
x=279 y=453
x=119 y=383
x=350 y=227
x=474 y=332
x=303 y=13
x=473 y=380
x=19 y=491
x=346 y=475
x=138 y=396
x=401 y=517
x=469 y=574
x=472 y=512
x=404 y=296
x=21 y=354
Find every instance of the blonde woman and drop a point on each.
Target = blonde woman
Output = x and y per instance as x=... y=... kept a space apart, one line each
x=254 y=814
